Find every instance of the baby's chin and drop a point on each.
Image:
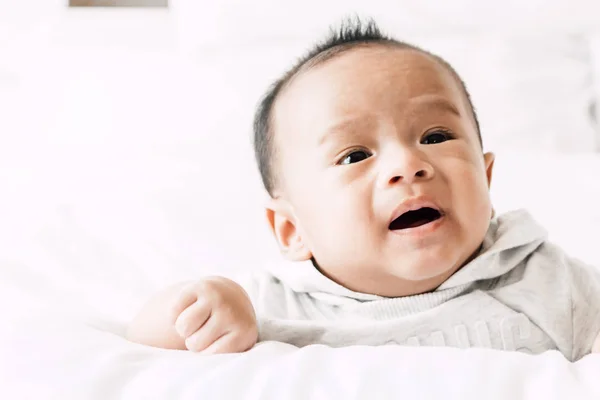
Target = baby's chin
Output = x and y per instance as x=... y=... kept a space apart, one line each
x=400 y=279
x=427 y=270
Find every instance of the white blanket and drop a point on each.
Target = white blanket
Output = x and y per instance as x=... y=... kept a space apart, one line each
x=58 y=359
x=71 y=278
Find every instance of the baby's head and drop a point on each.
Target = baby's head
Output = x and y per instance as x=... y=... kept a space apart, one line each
x=371 y=153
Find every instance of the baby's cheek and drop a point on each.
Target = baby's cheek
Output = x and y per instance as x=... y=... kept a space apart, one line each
x=468 y=177
x=341 y=224
x=470 y=199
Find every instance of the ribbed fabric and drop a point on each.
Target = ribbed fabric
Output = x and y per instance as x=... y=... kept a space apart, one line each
x=521 y=293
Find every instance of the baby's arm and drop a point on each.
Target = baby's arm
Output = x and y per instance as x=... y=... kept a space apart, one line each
x=213 y=315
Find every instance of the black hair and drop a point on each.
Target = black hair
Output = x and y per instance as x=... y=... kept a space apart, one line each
x=350 y=34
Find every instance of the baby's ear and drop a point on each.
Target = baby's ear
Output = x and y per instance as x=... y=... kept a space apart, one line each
x=488 y=159
x=285 y=228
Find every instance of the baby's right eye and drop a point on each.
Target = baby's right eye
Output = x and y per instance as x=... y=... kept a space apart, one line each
x=354 y=157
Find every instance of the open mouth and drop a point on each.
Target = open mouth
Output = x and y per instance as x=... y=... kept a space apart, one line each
x=415 y=218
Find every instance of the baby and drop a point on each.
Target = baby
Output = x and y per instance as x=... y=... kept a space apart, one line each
x=371 y=153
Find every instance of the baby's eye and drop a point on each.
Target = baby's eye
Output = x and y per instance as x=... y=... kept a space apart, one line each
x=436 y=137
x=354 y=157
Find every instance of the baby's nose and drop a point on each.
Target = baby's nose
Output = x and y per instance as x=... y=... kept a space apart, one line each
x=408 y=169
x=422 y=173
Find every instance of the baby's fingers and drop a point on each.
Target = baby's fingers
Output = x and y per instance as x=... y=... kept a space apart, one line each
x=185 y=298
x=192 y=318
x=206 y=335
x=228 y=343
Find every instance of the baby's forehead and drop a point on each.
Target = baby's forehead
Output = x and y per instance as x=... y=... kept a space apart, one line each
x=374 y=70
x=363 y=79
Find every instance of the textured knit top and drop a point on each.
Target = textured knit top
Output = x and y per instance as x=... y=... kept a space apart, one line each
x=521 y=293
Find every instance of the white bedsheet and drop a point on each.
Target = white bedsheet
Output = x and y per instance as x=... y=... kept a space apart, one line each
x=54 y=359
x=70 y=283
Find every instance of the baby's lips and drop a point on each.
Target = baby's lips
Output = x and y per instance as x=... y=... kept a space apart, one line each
x=414 y=203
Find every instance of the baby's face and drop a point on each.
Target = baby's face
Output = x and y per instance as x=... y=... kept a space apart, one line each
x=362 y=138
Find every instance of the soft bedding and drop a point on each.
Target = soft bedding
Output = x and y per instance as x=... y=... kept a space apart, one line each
x=73 y=273
x=74 y=360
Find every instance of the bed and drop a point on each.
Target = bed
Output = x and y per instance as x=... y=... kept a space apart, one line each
x=110 y=194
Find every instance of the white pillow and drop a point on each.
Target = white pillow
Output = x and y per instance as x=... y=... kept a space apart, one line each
x=595 y=61
x=562 y=192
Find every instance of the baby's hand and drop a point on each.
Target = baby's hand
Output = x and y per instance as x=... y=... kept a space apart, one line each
x=214 y=316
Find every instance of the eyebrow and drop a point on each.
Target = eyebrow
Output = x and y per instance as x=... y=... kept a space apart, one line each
x=347 y=126
x=438 y=102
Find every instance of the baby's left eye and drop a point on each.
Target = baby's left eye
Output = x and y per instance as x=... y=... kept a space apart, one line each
x=436 y=137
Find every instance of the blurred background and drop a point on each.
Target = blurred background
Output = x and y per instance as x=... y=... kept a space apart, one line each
x=118 y=3
x=125 y=132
